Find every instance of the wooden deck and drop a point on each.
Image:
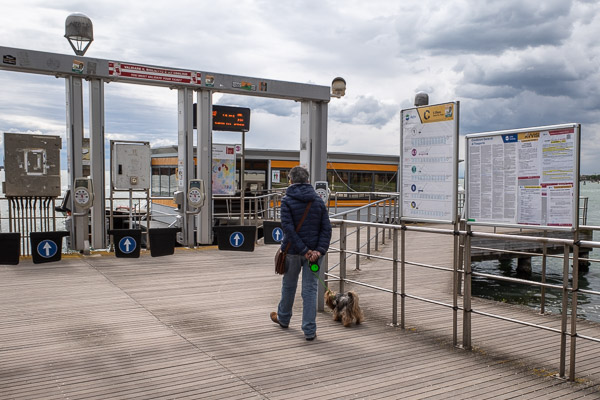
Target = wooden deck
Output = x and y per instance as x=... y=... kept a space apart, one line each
x=196 y=325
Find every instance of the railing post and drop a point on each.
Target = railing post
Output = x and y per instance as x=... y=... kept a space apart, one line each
x=343 y=229
x=456 y=261
x=395 y=279
x=402 y=275
x=357 y=267
x=543 y=291
x=323 y=270
x=563 y=322
x=575 y=289
x=384 y=212
x=390 y=216
x=377 y=228
x=467 y=293
x=461 y=258
x=369 y=229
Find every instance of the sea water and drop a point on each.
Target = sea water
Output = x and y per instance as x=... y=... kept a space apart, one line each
x=588 y=305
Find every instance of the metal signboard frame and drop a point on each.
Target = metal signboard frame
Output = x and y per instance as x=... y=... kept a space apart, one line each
x=429 y=163
x=540 y=167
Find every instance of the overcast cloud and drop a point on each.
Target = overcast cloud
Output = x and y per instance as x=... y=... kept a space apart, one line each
x=510 y=63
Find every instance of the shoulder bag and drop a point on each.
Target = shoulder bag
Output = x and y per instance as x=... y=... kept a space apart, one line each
x=280 y=255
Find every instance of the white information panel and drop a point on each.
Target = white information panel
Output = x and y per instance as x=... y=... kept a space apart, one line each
x=429 y=163
x=524 y=177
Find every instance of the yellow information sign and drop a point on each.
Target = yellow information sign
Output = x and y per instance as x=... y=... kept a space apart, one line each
x=438 y=113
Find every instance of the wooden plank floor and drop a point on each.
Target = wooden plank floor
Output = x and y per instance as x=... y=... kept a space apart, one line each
x=196 y=325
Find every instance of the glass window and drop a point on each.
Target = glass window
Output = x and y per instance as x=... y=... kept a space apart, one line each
x=338 y=181
x=171 y=185
x=155 y=182
x=361 y=181
x=283 y=179
x=385 y=182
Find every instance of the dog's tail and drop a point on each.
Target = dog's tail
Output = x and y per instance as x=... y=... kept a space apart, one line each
x=354 y=307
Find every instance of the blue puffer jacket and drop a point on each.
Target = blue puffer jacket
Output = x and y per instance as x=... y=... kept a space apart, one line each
x=315 y=233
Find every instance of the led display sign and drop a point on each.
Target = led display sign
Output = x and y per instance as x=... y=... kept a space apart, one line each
x=225 y=118
x=231 y=118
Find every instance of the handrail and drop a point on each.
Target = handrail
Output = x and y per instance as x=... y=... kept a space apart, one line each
x=463 y=238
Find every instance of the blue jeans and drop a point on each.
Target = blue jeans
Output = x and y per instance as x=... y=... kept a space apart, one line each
x=295 y=263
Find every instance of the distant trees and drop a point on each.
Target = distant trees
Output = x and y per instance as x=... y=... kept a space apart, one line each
x=594 y=177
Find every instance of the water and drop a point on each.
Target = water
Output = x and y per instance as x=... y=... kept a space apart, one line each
x=589 y=305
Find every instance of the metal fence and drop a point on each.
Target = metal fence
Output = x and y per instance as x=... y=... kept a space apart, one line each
x=461 y=270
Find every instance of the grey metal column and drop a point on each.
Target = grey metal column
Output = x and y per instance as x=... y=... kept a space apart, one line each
x=185 y=158
x=74 y=101
x=318 y=163
x=97 y=162
x=313 y=139
x=305 y=136
x=204 y=155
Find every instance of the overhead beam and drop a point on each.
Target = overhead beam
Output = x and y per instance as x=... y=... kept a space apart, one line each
x=63 y=65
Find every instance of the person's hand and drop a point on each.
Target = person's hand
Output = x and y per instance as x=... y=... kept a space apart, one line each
x=308 y=255
x=315 y=256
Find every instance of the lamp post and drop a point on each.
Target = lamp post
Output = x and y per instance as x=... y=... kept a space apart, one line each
x=79 y=31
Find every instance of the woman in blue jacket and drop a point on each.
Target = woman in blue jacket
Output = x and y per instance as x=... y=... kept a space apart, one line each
x=308 y=245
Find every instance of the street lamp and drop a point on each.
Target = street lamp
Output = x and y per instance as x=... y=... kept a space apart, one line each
x=338 y=87
x=79 y=32
x=421 y=99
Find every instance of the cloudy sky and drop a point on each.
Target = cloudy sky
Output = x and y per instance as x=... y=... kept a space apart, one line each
x=511 y=64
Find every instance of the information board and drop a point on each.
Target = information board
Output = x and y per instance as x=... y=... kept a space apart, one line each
x=223 y=169
x=429 y=163
x=524 y=177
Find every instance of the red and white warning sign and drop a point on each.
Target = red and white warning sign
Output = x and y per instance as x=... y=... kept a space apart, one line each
x=147 y=73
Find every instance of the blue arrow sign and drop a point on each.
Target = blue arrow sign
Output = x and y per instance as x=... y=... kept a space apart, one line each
x=47 y=248
x=277 y=234
x=127 y=244
x=236 y=239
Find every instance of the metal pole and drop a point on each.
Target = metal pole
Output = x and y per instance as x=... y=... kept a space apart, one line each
x=575 y=284
x=467 y=293
x=358 y=241
x=204 y=220
x=563 y=322
x=402 y=276
x=243 y=178
x=74 y=99
x=395 y=279
x=461 y=258
x=97 y=163
x=376 y=228
x=384 y=216
x=369 y=228
x=455 y=263
x=543 y=291
x=343 y=229
x=185 y=158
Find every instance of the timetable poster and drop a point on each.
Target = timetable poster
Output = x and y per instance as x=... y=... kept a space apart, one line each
x=223 y=169
x=429 y=159
x=523 y=177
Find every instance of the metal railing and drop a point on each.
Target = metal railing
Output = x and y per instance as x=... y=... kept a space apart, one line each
x=462 y=255
x=259 y=207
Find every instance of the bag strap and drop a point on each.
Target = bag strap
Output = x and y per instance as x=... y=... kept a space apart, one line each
x=299 y=224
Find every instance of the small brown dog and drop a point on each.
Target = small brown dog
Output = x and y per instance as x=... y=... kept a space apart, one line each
x=344 y=306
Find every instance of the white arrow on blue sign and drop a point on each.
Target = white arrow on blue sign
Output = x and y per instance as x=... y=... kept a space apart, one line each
x=236 y=239
x=277 y=234
x=127 y=244
x=47 y=248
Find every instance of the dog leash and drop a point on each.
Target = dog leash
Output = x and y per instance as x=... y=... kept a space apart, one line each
x=314 y=267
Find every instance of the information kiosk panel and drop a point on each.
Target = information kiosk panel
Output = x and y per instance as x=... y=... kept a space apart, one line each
x=524 y=177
